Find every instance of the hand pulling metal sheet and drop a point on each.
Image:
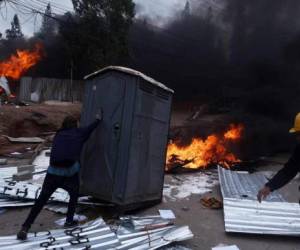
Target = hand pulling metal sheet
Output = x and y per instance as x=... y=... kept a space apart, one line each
x=243 y=213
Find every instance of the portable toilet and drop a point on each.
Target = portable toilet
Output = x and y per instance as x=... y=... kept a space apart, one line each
x=123 y=161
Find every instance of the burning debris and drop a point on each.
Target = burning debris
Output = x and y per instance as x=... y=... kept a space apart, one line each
x=202 y=153
x=15 y=66
x=18 y=64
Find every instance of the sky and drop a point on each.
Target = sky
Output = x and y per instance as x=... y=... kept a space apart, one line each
x=156 y=9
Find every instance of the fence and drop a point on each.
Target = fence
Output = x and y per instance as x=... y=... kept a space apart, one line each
x=44 y=89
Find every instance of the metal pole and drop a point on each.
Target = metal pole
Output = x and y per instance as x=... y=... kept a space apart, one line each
x=72 y=79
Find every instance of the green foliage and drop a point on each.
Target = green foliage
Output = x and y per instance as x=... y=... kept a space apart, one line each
x=97 y=34
x=48 y=23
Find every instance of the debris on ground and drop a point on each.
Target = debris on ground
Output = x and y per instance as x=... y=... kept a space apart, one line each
x=3 y=161
x=23 y=175
x=211 y=202
x=97 y=234
x=61 y=208
x=8 y=172
x=10 y=203
x=222 y=247
x=177 y=247
x=77 y=217
x=57 y=208
x=150 y=232
x=41 y=161
x=4 y=85
x=188 y=184
x=25 y=139
x=167 y=214
x=29 y=191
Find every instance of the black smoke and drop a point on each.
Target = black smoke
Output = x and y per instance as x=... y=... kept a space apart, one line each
x=242 y=58
x=243 y=46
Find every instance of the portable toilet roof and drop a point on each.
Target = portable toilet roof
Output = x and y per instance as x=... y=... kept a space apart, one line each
x=130 y=72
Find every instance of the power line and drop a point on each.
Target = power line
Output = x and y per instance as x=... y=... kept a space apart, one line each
x=4 y=18
x=58 y=5
x=166 y=32
x=55 y=8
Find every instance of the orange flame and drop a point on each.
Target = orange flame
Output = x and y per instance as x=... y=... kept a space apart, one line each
x=202 y=153
x=235 y=132
x=18 y=64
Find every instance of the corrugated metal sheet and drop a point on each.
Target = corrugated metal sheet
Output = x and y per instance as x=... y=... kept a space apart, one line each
x=25 y=89
x=7 y=172
x=44 y=89
x=57 y=208
x=98 y=235
x=244 y=214
x=7 y=203
x=242 y=185
x=27 y=190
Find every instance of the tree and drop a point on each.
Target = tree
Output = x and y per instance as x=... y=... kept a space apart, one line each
x=187 y=10
x=97 y=34
x=15 y=31
x=48 y=23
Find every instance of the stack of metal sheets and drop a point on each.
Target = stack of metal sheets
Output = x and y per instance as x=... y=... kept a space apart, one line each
x=6 y=203
x=97 y=235
x=244 y=214
x=27 y=190
x=150 y=232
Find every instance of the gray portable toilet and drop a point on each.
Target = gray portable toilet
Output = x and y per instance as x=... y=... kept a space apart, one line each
x=123 y=161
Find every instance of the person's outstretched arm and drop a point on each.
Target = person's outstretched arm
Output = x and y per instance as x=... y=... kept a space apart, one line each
x=283 y=176
x=287 y=173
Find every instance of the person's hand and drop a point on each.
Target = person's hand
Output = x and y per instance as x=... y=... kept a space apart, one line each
x=98 y=117
x=263 y=193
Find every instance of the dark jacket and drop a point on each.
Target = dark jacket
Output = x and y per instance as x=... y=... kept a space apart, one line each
x=68 y=143
x=288 y=172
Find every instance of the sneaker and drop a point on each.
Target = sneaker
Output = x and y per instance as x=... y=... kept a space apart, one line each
x=73 y=223
x=22 y=234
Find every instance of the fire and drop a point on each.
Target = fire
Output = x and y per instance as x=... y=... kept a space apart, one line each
x=202 y=153
x=19 y=63
x=235 y=132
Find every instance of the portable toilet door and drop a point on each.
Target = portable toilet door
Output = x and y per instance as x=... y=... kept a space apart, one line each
x=105 y=92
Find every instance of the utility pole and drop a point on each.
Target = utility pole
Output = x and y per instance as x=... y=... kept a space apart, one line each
x=72 y=65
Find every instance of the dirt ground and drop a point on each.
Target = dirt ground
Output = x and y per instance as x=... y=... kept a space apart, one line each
x=31 y=121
